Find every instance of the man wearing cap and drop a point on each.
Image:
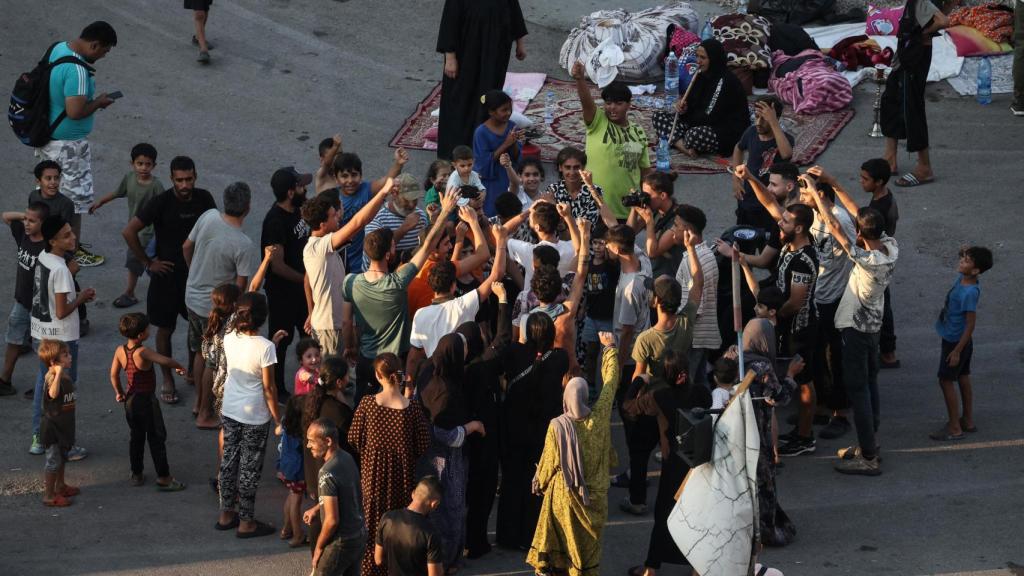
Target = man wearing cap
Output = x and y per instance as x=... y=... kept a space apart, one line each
x=217 y=252
x=284 y=228
x=401 y=216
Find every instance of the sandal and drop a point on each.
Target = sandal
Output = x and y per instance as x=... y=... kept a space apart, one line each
x=70 y=491
x=170 y=397
x=172 y=486
x=137 y=479
x=57 y=502
x=285 y=534
x=262 y=529
x=908 y=180
x=943 y=435
x=125 y=301
x=966 y=428
x=228 y=526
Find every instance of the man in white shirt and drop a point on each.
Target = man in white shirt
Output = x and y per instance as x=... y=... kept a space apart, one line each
x=325 y=272
x=447 y=312
x=216 y=252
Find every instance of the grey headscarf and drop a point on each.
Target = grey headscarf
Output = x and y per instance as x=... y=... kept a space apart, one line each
x=759 y=341
x=574 y=405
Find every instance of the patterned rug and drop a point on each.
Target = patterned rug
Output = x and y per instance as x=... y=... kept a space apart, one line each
x=812 y=133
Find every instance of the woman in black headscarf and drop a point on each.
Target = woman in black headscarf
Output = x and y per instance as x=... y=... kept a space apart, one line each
x=768 y=391
x=533 y=397
x=440 y=388
x=482 y=390
x=714 y=115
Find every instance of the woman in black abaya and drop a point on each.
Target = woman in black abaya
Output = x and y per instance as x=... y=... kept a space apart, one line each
x=475 y=37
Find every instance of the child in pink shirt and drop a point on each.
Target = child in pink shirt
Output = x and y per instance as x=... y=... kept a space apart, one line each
x=308 y=351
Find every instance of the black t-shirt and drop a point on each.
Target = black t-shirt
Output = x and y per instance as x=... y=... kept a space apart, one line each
x=761 y=154
x=172 y=220
x=668 y=262
x=409 y=541
x=290 y=231
x=59 y=205
x=28 y=252
x=339 y=478
x=799 y=267
x=600 y=289
x=890 y=211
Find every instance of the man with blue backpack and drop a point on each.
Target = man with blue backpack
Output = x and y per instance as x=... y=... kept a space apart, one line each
x=57 y=121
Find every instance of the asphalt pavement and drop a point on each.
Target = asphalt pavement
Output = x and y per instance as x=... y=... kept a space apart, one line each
x=286 y=73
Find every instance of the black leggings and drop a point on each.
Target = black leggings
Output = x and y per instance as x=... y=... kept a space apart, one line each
x=146 y=422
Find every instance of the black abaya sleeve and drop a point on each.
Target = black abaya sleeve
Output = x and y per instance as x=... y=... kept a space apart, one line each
x=449 y=36
x=517 y=24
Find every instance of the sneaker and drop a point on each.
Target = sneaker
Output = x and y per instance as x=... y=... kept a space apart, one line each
x=851 y=452
x=789 y=436
x=860 y=466
x=1017 y=109
x=87 y=259
x=621 y=480
x=6 y=389
x=195 y=42
x=798 y=446
x=657 y=456
x=77 y=453
x=630 y=508
x=204 y=57
x=837 y=426
x=37 y=446
x=28 y=394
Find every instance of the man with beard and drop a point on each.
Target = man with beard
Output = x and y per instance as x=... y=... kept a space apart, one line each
x=764 y=144
x=284 y=228
x=401 y=215
x=172 y=215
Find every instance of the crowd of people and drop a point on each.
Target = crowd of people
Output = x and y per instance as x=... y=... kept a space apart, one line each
x=470 y=335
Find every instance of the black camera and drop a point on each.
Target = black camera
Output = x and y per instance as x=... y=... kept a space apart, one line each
x=636 y=199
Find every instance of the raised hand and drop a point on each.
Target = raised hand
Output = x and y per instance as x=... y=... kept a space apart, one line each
x=578 y=70
x=499 y=290
x=401 y=156
x=505 y=160
x=607 y=339
x=467 y=214
x=450 y=200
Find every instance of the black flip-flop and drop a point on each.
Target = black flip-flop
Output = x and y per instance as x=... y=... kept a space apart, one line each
x=943 y=435
x=262 y=529
x=229 y=526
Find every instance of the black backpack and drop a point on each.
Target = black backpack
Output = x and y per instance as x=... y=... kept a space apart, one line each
x=29 y=112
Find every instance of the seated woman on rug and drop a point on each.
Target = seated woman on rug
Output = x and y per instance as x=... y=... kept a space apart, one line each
x=714 y=115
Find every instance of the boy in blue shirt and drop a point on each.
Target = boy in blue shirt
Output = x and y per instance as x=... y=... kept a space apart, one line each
x=956 y=327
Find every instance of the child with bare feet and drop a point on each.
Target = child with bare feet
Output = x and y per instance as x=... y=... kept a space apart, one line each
x=141 y=407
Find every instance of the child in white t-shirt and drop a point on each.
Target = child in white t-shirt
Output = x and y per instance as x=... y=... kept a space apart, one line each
x=726 y=374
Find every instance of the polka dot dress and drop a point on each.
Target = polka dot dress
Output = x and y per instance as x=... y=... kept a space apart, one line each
x=389 y=442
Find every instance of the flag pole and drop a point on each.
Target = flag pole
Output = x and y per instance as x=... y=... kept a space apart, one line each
x=737 y=311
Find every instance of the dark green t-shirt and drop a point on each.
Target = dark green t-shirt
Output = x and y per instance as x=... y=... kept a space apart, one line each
x=382 y=310
x=652 y=343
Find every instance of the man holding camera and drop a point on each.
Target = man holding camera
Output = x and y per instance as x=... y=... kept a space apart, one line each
x=653 y=210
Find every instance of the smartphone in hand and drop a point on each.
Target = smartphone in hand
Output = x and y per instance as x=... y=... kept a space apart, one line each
x=115 y=95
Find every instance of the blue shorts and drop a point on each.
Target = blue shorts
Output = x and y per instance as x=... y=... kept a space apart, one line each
x=591 y=327
x=19 y=326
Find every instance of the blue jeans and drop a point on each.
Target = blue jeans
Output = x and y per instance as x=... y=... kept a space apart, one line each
x=37 y=400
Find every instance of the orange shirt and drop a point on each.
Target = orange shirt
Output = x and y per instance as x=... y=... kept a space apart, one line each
x=419 y=292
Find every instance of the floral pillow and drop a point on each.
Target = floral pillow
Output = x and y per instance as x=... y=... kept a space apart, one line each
x=883 y=21
x=745 y=39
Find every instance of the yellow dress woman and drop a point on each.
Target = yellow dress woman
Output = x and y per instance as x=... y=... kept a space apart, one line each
x=572 y=475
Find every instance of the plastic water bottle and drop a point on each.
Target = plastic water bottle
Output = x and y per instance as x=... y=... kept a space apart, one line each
x=549 y=108
x=707 y=32
x=741 y=7
x=663 y=162
x=671 y=79
x=684 y=75
x=984 y=81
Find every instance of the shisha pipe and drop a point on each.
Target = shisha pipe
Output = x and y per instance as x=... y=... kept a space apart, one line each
x=876 y=128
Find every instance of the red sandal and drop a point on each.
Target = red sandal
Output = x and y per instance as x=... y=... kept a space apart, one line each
x=70 y=491
x=57 y=502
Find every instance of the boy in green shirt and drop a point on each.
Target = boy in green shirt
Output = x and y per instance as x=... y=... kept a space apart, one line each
x=138 y=185
x=617 y=153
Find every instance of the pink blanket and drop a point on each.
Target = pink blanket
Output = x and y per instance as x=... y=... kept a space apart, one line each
x=814 y=87
x=523 y=87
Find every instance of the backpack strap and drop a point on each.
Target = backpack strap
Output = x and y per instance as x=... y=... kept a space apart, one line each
x=49 y=68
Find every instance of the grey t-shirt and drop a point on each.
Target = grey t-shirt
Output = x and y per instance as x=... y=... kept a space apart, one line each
x=339 y=478
x=222 y=252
